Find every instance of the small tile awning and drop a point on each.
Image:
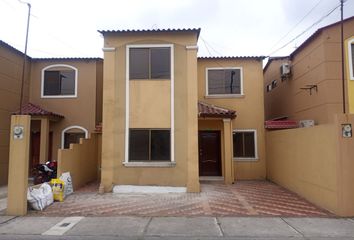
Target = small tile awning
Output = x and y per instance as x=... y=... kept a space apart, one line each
x=35 y=110
x=281 y=124
x=206 y=110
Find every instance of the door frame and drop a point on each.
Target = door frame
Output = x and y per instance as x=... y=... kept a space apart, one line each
x=218 y=150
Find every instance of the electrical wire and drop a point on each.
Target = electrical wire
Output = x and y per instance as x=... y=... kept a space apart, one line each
x=306 y=30
x=297 y=24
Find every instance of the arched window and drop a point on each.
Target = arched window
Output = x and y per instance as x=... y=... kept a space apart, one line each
x=59 y=81
x=72 y=134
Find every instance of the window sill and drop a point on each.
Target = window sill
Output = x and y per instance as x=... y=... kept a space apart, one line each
x=246 y=159
x=150 y=164
x=225 y=96
x=60 y=96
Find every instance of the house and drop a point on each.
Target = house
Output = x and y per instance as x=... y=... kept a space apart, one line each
x=313 y=88
x=316 y=162
x=171 y=118
x=63 y=96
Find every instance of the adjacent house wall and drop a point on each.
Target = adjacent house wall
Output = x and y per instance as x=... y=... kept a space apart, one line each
x=317 y=62
x=249 y=109
x=11 y=62
x=81 y=111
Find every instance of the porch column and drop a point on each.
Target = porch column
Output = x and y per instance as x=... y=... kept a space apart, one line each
x=18 y=165
x=44 y=141
x=228 y=152
x=193 y=184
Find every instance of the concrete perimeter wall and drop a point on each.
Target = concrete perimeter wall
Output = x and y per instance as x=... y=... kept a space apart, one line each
x=317 y=163
x=81 y=160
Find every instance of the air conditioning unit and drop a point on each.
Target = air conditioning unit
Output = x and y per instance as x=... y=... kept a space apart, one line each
x=285 y=69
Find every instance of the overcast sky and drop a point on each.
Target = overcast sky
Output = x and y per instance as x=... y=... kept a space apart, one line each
x=68 y=28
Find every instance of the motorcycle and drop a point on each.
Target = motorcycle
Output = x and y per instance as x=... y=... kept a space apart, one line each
x=44 y=172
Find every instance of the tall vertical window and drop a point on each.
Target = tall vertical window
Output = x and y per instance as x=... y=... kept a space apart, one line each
x=245 y=144
x=150 y=63
x=149 y=145
x=59 y=81
x=221 y=81
x=351 y=59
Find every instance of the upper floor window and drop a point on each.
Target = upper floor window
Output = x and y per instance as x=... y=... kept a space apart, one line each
x=59 y=81
x=224 y=81
x=150 y=63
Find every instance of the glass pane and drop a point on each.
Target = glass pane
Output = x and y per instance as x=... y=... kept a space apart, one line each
x=51 y=83
x=249 y=145
x=232 y=80
x=67 y=79
x=160 y=145
x=160 y=63
x=238 y=144
x=72 y=138
x=139 y=63
x=216 y=84
x=139 y=145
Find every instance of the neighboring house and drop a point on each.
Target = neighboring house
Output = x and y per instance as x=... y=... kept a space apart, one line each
x=63 y=96
x=313 y=88
x=153 y=122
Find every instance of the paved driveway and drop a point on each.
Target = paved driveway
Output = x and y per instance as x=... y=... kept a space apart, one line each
x=244 y=198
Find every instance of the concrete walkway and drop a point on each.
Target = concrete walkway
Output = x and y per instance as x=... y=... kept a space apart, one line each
x=175 y=228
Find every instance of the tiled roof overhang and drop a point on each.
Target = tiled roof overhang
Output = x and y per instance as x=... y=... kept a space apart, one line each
x=258 y=58
x=281 y=124
x=206 y=110
x=35 y=110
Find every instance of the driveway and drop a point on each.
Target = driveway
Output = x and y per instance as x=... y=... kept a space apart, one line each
x=244 y=198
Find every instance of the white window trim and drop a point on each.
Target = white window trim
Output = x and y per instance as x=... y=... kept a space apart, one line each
x=207 y=95
x=172 y=135
x=255 y=145
x=72 y=127
x=59 y=96
x=351 y=70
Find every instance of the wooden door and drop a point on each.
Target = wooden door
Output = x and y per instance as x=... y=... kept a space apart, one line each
x=209 y=153
x=35 y=148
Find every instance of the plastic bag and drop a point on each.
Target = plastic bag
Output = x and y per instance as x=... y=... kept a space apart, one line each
x=68 y=184
x=58 y=189
x=40 y=197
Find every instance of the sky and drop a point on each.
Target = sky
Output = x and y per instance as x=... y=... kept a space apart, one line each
x=68 y=28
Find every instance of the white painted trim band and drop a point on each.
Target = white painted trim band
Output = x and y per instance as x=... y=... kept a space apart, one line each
x=192 y=47
x=108 y=49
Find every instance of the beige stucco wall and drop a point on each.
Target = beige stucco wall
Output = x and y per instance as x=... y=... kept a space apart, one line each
x=81 y=111
x=10 y=85
x=316 y=163
x=150 y=103
x=249 y=108
x=185 y=112
x=81 y=160
x=316 y=63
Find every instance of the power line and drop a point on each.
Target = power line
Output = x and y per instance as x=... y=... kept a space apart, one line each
x=306 y=30
x=297 y=24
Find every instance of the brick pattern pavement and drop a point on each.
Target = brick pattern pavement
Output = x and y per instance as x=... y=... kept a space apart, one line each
x=244 y=198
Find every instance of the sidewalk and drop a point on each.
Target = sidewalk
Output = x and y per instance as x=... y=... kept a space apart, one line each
x=175 y=228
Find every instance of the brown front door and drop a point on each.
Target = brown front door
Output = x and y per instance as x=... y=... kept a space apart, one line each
x=209 y=153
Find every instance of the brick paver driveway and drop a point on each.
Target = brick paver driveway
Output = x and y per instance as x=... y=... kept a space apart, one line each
x=244 y=198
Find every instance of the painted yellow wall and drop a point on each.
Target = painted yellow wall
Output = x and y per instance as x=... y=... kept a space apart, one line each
x=113 y=137
x=249 y=108
x=347 y=67
x=10 y=84
x=81 y=160
x=150 y=102
x=316 y=163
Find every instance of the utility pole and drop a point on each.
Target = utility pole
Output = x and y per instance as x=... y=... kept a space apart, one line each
x=342 y=52
x=24 y=56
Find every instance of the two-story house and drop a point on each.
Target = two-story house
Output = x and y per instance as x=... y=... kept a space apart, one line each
x=63 y=96
x=171 y=118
